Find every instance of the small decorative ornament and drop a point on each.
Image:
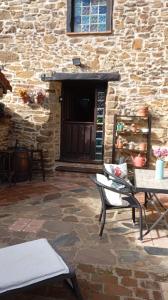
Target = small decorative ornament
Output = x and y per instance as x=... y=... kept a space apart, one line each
x=160 y=154
x=40 y=97
x=24 y=95
x=33 y=96
x=117 y=172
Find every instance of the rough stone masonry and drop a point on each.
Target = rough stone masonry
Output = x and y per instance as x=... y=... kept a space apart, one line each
x=34 y=41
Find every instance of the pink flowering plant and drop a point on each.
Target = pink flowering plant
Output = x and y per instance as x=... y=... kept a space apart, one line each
x=160 y=153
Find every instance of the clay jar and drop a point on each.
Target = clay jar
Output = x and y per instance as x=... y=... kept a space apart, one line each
x=131 y=145
x=139 y=161
x=119 y=143
x=142 y=146
x=143 y=111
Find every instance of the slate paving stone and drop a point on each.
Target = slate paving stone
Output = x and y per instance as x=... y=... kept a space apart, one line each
x=51 y=197
x=131 y=225
x=4 y=215
x=156 y=251
x=51 y=226
x=71 y=226
x=128 y=256
x=71 y=210
x=116 y=230
x=121 y=242
x=66 y=240
x=66 y=205
x=96 y=255
x=36 y=202
x=78 y=190
x=70 y=219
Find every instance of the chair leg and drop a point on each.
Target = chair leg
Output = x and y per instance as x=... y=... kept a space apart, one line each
x=141 y=223
x=100 y=216
x=76 y=287
x=133 y=215
x=103 y=222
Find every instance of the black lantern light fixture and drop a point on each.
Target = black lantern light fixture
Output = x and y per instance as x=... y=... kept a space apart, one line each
x=76 y=61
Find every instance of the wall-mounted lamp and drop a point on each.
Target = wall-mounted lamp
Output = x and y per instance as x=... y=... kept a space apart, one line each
x=60 y=99
x=76 y=62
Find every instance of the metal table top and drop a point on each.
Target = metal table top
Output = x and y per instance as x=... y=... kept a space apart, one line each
x=145 y=181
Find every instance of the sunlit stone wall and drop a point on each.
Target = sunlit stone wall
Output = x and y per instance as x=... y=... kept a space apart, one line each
x=34 y=41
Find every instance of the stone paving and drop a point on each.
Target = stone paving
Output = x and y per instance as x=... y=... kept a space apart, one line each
x=65 y=210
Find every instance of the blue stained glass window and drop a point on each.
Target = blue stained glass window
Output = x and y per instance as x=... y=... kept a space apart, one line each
x=100 y=96
x=85 y=19
x=90 y=15
x=86 y=10
x=85 y=28
x=102 y=9
x=85 y=2
x=77 y=11
x=102 y=19
x=101 y=2
x=99 y=124
x=102 y=27
x=94 y=2
x=77 y=20
x=99 y=142
x=94 y=10
x=99 y=134
x=93 y=19
x=77 y=28
x=93 y=27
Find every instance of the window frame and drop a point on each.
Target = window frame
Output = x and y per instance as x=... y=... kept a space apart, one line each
x=70 y=20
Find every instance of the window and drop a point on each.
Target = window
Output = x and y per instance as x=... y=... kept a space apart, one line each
x=89 y=16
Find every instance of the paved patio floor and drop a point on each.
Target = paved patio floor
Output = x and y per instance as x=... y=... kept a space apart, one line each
x=65 y=209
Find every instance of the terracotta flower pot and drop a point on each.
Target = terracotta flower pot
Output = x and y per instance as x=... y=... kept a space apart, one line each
x=143 y=111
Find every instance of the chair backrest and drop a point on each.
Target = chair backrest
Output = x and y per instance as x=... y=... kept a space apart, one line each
x=118 y=173
x=111 y=192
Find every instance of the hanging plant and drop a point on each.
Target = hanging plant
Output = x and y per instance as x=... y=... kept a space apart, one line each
x=40 y=97
x=24 y=95
x=33 y=96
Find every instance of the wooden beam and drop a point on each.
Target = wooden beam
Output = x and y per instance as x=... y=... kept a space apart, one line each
x=114 y=76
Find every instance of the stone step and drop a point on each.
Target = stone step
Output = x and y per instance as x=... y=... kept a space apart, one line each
x=80 y=168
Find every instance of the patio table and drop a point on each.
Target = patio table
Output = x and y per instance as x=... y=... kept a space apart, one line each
x=145 y=182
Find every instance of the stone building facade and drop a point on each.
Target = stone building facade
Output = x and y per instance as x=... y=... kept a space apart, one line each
x=34 y=41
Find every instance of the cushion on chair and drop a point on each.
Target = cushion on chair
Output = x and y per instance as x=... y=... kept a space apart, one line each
x=117 y=170
x=112 y=198
x=28 y=263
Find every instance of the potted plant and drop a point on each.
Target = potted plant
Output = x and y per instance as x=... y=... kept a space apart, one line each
x=32 y=97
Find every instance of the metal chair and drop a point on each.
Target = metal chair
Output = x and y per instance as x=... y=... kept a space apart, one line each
x=109 y=171
x=31 y=263
x=116 y=195
x=7 y=166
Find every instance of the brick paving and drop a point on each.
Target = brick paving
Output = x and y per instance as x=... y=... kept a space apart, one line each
x=65 y=209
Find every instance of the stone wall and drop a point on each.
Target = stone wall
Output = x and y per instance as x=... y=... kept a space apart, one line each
x=33 y=41
x=5 y=133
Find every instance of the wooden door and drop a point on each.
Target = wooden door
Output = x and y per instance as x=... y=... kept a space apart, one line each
x=78 y=122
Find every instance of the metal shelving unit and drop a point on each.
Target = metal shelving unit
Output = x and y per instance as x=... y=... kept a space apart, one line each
x=124 y=153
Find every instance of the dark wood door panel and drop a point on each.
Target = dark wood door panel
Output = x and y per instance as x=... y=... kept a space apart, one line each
x=78 y=140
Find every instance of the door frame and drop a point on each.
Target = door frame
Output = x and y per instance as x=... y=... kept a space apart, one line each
x=95 y=84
